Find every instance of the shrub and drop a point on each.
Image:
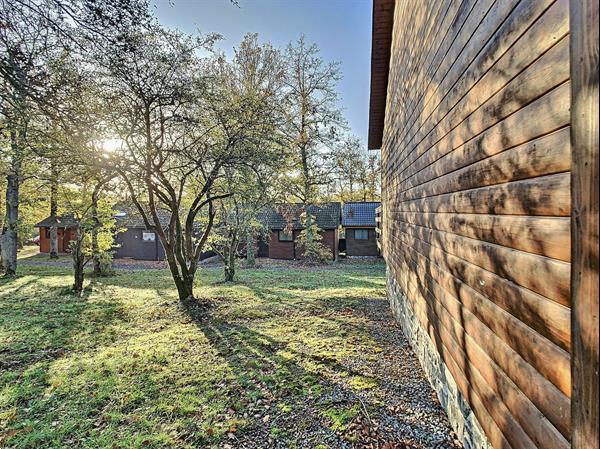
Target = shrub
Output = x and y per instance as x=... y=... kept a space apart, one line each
x=313 y=251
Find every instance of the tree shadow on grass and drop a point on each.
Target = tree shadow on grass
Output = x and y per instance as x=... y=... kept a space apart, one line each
x=294 y=397
x=39 y=333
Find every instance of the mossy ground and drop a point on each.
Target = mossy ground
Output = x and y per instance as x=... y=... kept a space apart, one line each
x=126 y=366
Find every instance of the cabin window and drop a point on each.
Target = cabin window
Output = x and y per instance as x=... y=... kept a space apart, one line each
x=361 y=234
x=148 y=236
x=285 y=236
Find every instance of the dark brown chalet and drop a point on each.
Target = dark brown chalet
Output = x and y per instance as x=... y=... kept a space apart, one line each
x=66 y=227
x=358 y=221
x=283 y=222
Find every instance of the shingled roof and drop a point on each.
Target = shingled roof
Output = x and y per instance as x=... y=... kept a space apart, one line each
x=63 y=221
x=128 y=216
x=327 y=215
x=359 y=214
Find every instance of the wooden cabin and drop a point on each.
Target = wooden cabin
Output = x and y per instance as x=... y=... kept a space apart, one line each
x=358 y=222
x=486 y=115
x=285 y=224
x=134 y=240
x=66 y=227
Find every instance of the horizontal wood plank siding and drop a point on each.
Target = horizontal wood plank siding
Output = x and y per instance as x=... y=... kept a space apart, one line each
x=361 y=247
x=290 y=249
x=476 y=203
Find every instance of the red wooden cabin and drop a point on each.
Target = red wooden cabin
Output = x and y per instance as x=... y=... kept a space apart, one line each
x=66 y=227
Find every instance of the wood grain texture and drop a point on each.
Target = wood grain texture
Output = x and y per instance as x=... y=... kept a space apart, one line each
x=475 y=221
x=548 y=359
x=496 y=100
x=545 y=236
x=584 y=118
x=461 y=322
x=476 y=365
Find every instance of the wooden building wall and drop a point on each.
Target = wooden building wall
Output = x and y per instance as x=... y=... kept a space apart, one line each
x=359 y=247
x=476 y=161
x=281 y=249
x=290 y=250
x=64 y=238
x=130 y=244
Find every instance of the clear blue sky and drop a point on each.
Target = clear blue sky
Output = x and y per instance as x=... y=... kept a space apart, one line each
x=341 y=29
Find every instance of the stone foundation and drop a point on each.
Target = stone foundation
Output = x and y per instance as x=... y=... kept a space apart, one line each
x=459 y=413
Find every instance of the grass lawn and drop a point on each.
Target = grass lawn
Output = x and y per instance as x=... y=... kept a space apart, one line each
x=283 y=358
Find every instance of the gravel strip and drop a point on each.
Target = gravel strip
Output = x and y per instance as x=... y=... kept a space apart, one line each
x=401 y=412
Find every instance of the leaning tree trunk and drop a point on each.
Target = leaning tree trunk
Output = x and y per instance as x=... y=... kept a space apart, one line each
x=53 y=211
x=9 y=238
x=250 y=249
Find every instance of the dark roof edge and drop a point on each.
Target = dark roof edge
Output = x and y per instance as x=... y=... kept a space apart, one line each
x=362 y=202
x=381 y=43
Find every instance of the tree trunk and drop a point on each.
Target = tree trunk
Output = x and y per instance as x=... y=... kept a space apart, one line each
x=185 y=288
x=309 y=236
x=53 y=211
x=184 y=284
x=229 y=267
x=78 y=263
x=250 y=249
x=229 y=273
x=53 y=241
x=10 y=229
x=97 y=267
x=78 y=279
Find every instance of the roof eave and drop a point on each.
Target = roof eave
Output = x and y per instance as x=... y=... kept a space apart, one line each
x=383 y=24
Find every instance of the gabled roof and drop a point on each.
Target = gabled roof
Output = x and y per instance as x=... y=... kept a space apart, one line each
x=64 y=221
x=128 y=216
x=359 y=214
x=327 y=215
x=381 y=43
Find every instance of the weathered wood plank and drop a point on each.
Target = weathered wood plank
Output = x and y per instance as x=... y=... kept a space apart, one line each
x=465 y=28
x=479 y=367
x=508 y=70
x=546 y=195
x=420 y=41
x=547 y=155
x=460 y=321
x=546 y=236
x=584 y=117
x=550 y=319
x=549 y=360
x=540 y=78
x=476 y=162
x=548 y=277
x=551 y=112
